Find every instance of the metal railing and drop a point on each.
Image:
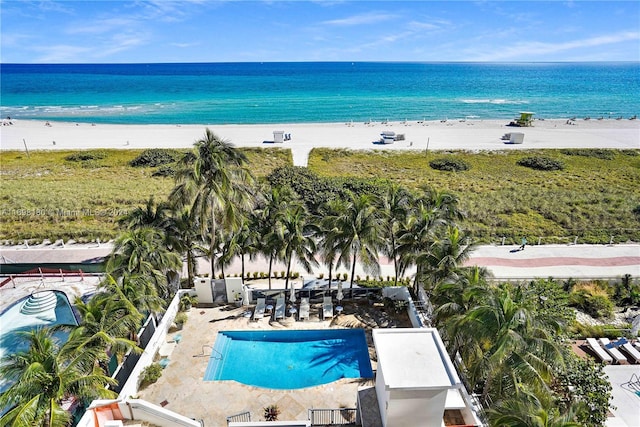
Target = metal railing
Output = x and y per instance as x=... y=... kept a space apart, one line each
x=333 y=417
x=242 y=417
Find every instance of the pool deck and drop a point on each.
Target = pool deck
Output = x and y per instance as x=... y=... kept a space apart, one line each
x=182 y=388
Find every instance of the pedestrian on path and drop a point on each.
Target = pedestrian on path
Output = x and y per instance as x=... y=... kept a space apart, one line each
x=524 y=243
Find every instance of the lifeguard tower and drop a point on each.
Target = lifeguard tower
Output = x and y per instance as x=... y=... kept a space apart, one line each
x=526 y=119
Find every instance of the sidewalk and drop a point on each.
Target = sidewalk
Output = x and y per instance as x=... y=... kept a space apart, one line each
x=505 y=262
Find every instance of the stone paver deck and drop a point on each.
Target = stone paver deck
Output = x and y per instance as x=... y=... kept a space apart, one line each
x=182 y=388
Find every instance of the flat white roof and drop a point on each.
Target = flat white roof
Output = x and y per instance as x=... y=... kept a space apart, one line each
x=414 y=359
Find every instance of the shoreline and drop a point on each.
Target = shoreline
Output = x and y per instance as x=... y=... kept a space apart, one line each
x=435 y=135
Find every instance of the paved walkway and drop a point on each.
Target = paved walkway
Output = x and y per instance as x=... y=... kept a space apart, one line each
x=505 y=262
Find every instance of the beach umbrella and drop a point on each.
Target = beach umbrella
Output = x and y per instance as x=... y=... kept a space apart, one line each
x=292 y=297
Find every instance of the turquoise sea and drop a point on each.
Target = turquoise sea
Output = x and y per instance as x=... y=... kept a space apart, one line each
x=247 y=93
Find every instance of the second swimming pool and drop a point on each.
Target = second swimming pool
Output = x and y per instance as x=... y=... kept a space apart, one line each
x=290 y=359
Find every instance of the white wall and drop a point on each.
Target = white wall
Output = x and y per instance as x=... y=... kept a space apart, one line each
x=415 y=408
x=203 y=289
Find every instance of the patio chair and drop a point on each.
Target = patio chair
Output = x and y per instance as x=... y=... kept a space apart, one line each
x=258 y=313
x=631 y=351
x=612 y=350
x=304 y=309
x=279 y=312
x=599 y=351
x=327 y=308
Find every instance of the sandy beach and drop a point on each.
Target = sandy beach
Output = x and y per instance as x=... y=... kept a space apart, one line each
x=438 y=135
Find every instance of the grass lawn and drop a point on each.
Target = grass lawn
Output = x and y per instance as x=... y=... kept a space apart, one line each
x=593 y=197
x=44 y=195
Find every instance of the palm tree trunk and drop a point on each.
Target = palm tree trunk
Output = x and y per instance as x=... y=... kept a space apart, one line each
x=242 y=265
x=270 y=268
x=395 y=259
x=353 y=269
x=416 y=281
x=286 y=280
x=189 y=268
x=213 y=243
x=330 y=271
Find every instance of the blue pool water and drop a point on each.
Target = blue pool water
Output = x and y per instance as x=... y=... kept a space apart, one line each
x=52 y=309
x=291 y=359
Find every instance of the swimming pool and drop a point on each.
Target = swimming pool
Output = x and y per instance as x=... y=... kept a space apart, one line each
x=41 y=309
x=290 y=359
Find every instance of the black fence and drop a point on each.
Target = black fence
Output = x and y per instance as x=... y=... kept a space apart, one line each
x=126 y=367
x=123 y=372
x=317 y=295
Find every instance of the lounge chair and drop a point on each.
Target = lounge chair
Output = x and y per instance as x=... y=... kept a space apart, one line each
x=304 y=309
x=258 y=313
x=327 y=308
x=612 y=350
x=599 y=351
x=631 y=351
x=279 y=312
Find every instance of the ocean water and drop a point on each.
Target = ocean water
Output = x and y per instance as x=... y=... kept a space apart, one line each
x=250 y=93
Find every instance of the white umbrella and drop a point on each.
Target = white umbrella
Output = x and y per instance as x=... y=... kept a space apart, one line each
x=339 y=296
x=292 y=297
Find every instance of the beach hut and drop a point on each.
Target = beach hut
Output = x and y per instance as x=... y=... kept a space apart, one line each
x=388 y=137
x=515 y=138
x=278 y=136
x=526 y=119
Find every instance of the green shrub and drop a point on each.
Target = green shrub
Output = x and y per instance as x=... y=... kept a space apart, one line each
x=83 y=156
x=271 y=413
x=150 y=374
x=541 y=163
x=598 y=153
x=591 y=299
x=181 y=318
x=155 y=157
x=630 y=152
x=164 y=171
x=449 y=165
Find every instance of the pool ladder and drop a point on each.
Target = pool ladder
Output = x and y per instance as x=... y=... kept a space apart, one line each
x=202 y=353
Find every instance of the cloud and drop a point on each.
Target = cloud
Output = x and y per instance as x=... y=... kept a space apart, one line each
x=362 y=19
x=62 y=53
x=534 y=49
x=183 y=45
x=101 y=26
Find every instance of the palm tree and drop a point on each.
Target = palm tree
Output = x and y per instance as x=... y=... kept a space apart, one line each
x=329 y=233
x=529 y=411
x=356 y=234
x=141 y=252
x=182 y=236
x=447 y=254
x=106 y=322
x=415 y=239
x=453 y=299
x=506 y=344
x=271 y=208
x=394 y=204
x=295 y=233
x=45 y=375
x=241 y=242
x=137 y=289
x=213 y=180
x=152 y=214
x=432 y=212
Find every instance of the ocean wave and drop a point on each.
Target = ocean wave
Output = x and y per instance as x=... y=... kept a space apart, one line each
x=494 y=101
